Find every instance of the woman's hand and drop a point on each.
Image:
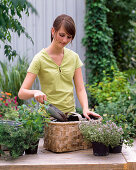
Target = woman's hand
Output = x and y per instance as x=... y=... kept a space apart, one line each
x=87 y=112
x=40 y=96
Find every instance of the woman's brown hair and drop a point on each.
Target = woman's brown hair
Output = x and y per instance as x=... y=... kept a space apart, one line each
x=67 y=22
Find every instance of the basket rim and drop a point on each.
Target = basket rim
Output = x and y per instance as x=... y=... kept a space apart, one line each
x=66 y=123
x=71 y=122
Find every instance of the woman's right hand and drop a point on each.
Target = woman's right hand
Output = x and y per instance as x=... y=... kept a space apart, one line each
x=25 y=92
x=40 y=96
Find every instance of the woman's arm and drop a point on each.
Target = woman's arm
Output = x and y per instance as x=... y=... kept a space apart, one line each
x=81 y=93
x=25 y=92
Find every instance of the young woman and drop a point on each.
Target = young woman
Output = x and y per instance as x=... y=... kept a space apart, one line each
x=57 y=68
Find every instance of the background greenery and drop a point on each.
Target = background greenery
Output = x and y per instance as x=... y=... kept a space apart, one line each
x=110 y=42
x=98 y=41
x=11 y=77
x=116 y=100
x=110 y=37
x=122 y=19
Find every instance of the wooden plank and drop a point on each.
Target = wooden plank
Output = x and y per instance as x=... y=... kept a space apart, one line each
x=63 y=167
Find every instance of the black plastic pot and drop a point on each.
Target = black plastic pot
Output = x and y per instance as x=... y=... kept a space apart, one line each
x=91 y=116
x=116 y=149
x=33 y=149
x=77 y=117
x=99 y=149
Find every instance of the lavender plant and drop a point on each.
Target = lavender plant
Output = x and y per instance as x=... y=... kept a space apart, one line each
x=115 y=134
x=108 y=133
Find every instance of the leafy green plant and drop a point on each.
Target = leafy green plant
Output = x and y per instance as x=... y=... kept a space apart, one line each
x=11 y=78
x=98 y=41
x=11 y=12
x=33 y=119
x=116 y=134
x=79 y=110
x=14 y=139
x=117 y=112
x=116 y=101
x=19 y=138
x=108 y=133
x=131 y=113
x=8 y=106
x=110 y=89
x=131 y=76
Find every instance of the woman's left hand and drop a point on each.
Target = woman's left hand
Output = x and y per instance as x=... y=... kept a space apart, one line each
x=87 y=112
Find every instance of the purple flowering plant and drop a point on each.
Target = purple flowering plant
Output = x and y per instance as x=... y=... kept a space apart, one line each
x=96 y=131
x=115 y=135
x=8 y=106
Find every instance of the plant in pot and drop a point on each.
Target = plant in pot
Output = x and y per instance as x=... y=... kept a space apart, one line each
x=100 y=135
x=33 y=120
x=117 y=113
x=12 y=140
x=115 y=137
x=116 y=100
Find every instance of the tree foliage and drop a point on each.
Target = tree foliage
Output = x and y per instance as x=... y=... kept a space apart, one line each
x=10 y=14
x=97 y=40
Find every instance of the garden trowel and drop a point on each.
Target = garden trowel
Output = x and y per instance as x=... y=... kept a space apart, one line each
x=55 y=112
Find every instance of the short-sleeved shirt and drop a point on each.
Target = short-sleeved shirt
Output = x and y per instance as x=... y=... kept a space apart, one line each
x=57 y=81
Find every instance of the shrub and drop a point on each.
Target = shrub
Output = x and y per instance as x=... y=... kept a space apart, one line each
x=116 y=100
x=110 y=89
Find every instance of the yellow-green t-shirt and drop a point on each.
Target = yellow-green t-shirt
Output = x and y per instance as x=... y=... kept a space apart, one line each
x=57 y=81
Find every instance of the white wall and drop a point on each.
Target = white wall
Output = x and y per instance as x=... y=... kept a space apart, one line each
x=39 y=27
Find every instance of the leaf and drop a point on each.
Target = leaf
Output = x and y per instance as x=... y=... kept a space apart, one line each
x=33 y=103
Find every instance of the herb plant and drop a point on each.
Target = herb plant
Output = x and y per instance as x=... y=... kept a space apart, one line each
x=33 y=119
x=120 y=113
x=102 y=133
x=14 y=139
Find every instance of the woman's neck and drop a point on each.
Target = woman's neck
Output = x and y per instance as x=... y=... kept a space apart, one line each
x=55 y=53
x=54 y=49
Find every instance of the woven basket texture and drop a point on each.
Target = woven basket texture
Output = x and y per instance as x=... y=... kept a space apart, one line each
x=64 y=137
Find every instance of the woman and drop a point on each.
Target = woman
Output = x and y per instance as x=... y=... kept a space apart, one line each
x=57 y=67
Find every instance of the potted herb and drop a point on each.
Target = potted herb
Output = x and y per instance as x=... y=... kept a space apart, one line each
x=12 y=140
x=117 y=112
x=33 y=120
x=101 y=135
x=115 y=137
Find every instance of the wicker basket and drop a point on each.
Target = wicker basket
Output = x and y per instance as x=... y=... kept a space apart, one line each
x=64 y=137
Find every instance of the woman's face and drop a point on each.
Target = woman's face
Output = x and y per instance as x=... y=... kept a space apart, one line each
x=61 y=37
